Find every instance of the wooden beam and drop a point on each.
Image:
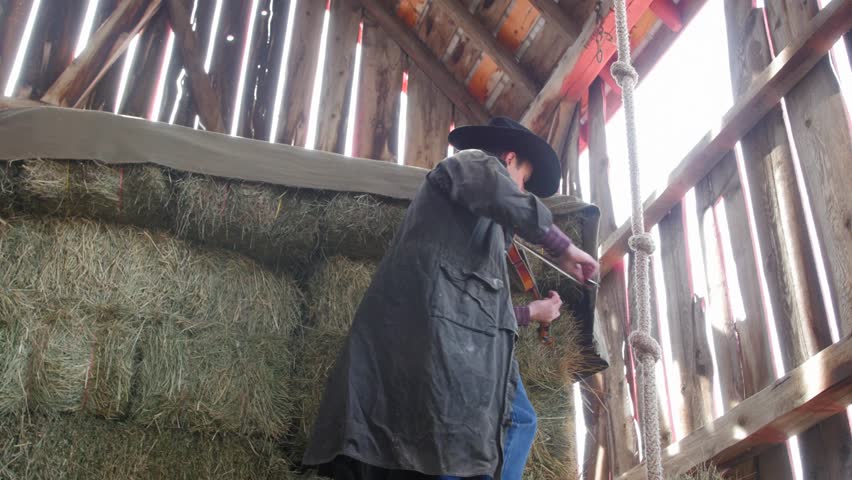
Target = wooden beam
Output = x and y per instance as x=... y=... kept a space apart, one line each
x=601 y=194
x=554 y=15
x=105 y=46
x=421 y=55
x=785 y=71
x=669 y=13
x=579 y=65
x=490 y=45
x=206 y=101
x=817 y=389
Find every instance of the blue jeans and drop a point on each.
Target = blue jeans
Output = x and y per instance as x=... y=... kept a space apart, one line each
x=518 y=441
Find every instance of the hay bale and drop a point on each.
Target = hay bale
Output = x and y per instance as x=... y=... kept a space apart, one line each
x=81 y=357
x=75 y=447
x=703 y=472
x=334 y=292
x=133 y=194
x=360 y=226
x=547 y=373
x=7 y=193
x=207 y=345
x=272 y=224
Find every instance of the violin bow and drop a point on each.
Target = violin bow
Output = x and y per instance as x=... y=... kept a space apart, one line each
x=588 y=283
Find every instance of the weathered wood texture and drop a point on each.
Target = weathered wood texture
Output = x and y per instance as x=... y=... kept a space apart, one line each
x=615 y=447
x=337 y=78
x=207 y=103
x=563 y=137
x=820 y=387
x=418 y=48
x=379 y=95
x=269 y=48
x=430 y=114
x=489 y=44
x=599 y=181
x=820 y=126
x=74 y=81
x=15 y=15
x=819 y=123
x=774 y=81
x=548 y=97
x=787 y=259
x=142 y=80
x=610 y=312
x=56 y=48
x=117 y=50
x=692 y=376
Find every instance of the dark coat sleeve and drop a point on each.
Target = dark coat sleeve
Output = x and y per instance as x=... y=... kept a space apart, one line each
x=480 y=183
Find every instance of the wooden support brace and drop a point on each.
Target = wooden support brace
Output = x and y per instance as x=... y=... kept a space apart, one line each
x=669 y=13
x=206 y=100
x=819 y=388
x=785 y=71
x=489 y=44
x=105 y=47
x=424 y=58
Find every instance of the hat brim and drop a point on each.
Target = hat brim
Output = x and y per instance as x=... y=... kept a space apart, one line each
x=544 y=181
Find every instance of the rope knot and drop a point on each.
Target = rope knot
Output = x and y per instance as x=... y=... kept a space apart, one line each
x=645 y=345
x=621 y=71
x=643 y=242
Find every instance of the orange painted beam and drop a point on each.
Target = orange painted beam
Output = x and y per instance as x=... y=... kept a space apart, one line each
x=669 y=13
x=587 y=68
x=410 y=10
x=521 y=18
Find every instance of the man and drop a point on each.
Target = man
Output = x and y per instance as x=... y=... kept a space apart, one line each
x=426 y=385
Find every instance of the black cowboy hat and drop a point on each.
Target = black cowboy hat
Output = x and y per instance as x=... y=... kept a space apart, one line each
x=503 y=133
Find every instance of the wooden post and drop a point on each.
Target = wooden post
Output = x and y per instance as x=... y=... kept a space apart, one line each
x=378 y=100
x=620 y=451
x=301 y=70
x=429 y=116
x=337 y=79
x=269 y=43
x=206 y=101
x=599 y=159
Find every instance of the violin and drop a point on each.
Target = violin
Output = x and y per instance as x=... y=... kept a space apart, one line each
x=529 y=285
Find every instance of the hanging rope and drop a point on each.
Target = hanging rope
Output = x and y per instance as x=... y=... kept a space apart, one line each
x=642 y=243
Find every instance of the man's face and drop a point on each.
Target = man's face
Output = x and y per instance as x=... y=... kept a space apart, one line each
x=519 y=169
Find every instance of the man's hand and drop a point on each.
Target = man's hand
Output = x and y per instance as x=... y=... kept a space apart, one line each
x=578 y=263
x=546 y=310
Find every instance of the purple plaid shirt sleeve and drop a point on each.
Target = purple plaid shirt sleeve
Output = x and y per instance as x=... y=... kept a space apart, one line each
x=522 y=314
x=555 y=242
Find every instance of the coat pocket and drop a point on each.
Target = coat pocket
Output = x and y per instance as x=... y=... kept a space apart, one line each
x=466 y=298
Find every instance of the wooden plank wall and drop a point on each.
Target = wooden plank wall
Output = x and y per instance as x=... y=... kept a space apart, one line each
x=755 y=269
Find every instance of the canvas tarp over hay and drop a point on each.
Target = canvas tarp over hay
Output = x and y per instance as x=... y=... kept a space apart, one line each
x=142 y=299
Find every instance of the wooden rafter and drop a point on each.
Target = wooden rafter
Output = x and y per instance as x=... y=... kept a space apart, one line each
x=424 y=58
x=785 y=71
x=104 y=48
x=490 y=45
x=816 y=390
x=554 y=15
x=206 y=100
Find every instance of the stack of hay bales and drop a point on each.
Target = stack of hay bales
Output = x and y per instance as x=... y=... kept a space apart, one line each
x=334 y=291
x=547 y=372
x=158 y=318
